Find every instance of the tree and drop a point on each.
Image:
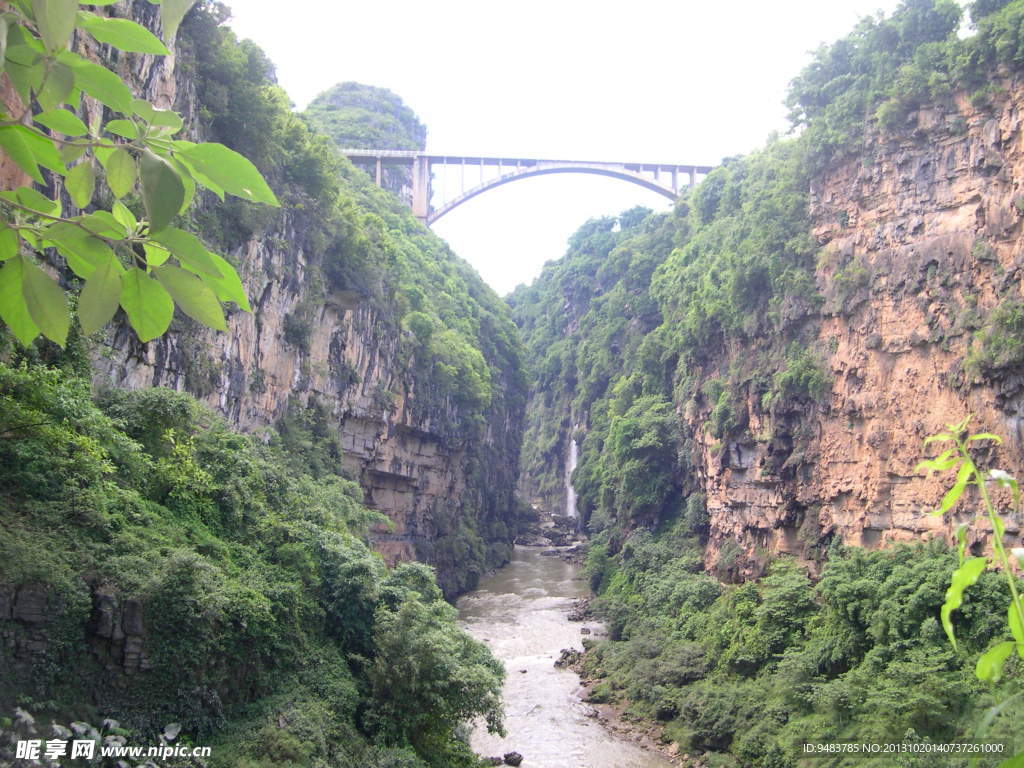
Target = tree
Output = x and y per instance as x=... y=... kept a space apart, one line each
x=428 y=676
x=362 y=116
x=358 y=116
x=134 y=259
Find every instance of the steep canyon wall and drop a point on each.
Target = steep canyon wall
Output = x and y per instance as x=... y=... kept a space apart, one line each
x=912 y=319
x=326 y=338
x=921 y=240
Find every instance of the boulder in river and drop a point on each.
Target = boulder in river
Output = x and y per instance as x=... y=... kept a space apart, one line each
x=513 y=758
x=580 y=609
x=568 y=658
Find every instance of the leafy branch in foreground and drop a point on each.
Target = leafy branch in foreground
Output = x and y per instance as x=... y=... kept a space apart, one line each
x=135 y=260
x=958 y=458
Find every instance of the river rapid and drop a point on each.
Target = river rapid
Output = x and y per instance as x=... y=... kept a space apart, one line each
x=520 y=612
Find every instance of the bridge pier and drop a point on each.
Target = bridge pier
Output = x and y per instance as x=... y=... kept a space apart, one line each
x=421 y=187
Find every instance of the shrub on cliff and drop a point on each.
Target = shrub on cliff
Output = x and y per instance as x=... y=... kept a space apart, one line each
x=245 y=590
x=887 y=67
x=755 y=669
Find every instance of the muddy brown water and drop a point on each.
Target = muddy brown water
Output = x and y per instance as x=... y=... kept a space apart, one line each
x=520 y=612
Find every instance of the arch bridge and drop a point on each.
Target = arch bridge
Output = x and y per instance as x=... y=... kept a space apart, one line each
x=666 y=179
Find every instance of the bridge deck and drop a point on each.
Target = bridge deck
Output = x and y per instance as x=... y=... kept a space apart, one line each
x=407 y=157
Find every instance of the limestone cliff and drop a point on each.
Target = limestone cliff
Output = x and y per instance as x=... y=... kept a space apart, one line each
x=919 y=268
x=326 y=331
x=931 y=231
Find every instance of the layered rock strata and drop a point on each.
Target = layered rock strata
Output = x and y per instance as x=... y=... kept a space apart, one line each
x=921 y=239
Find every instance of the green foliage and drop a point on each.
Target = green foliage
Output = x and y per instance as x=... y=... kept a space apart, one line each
x=290 y=618
x=653 y=311
x=360 y=116
x=990 y=665
x=638 y=458
x=888 y=67
x=577 y=355
x=122 y=259
x=753 y=670
x=999 y=345
x=722 y=419
x=461 y=369
x=804 y=378
x=846 y=282
x=420 y=652
x=648 y=331
x=355 y=238
x=747 y=267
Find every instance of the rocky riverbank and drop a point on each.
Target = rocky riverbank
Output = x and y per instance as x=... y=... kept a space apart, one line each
x=613 y=715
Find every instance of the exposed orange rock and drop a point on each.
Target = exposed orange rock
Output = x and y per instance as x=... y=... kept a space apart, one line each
x=926 y=232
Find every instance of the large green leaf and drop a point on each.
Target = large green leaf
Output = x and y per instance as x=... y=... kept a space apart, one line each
x=80 y=183
x=149 y=306
x=46 y=302
x=953 y=495
x=123 y=215
x=103 y=223
x=8 y=243
x=229 y=170
x=99 y=82
x=13 y=309
x=26 y=61
x=3 y=36
x=990 y=664
x=84 y=253
x=43 y=149
x=171 y=14
x=69 y=153
x=98 y=301
x=33 y=200
x=56 y=20
x=162 y=190
x=121 y=172
x=189 y=250
x=229 y=287
x=167 y=118
x=13 y=144
x=193 y=296
x=62 y=121
x=198 y=176
x=125 y=128
x=26 y=78
x=1016 y=627
x=122 y=33
x=56 y=87
x=155 y=255
x=963 y=577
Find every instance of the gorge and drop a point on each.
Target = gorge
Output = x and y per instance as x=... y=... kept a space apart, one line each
x=256 y=534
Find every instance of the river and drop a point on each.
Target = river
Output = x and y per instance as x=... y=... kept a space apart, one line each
x=520 y=612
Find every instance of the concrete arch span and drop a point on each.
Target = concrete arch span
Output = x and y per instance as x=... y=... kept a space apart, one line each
x=529 y=172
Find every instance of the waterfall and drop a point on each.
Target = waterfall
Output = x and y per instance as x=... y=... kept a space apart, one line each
x=570 y=492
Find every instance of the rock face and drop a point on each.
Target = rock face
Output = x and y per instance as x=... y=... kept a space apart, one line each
x=412 y=464
x=402 y=438
x=921 y=239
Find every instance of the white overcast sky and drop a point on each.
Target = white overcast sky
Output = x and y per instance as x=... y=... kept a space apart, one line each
x=643 y=80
